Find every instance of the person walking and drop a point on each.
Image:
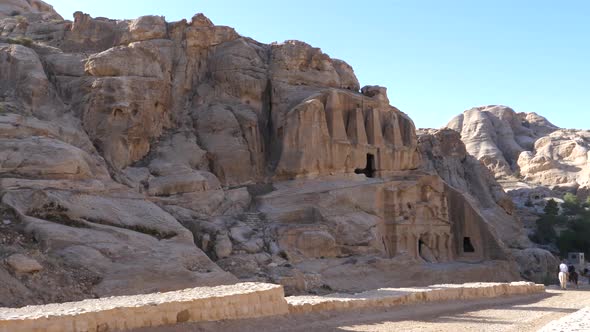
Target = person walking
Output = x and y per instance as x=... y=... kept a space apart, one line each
x=563 y=275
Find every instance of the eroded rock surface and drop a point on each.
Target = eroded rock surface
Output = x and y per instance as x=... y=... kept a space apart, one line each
x=525 y=146
x=445 y=153
x=497 y=135
x=561 y=158
x=23 y=264
x=153 y=155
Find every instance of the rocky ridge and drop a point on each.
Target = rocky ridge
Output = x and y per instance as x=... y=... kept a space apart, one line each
x=144 y=155
x=526 y=146
x=445 y=153
x=532 y=159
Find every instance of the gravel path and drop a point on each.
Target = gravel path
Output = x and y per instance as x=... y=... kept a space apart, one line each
x=576 y=322
x=519 y=313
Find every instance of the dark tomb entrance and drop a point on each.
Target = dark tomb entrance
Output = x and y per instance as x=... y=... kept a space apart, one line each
x=369 y=169
x=467 y=246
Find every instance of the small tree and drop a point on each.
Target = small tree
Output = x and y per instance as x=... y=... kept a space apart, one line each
x=546 y=223
x=551 y=208
x=571 y=205
x=576 y=238
x=545 y=230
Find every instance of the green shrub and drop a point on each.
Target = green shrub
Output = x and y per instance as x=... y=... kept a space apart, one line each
x=545 y=230
x=570 y=198
x=571 y=205
x=575 y=239
x=576 y=220
x=551 y=208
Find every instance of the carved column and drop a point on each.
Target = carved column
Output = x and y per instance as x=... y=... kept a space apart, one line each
x=356 y=127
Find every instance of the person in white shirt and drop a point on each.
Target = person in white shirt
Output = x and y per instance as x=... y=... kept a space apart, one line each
x=563 y=273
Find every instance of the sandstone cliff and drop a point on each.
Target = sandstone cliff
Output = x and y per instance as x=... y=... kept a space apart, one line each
x=532 y=159
x=445 y=154
x=525 y=146
x=144 y=155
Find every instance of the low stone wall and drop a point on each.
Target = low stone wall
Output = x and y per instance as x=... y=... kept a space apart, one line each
x=387 y=297
x=245 y=300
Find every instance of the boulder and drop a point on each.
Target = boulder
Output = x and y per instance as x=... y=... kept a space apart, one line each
x=537 y=265
x=144 y=59
x=375 y=91
x=20 y=263
x=46 y=158
x=147 y=27
x=223 y=246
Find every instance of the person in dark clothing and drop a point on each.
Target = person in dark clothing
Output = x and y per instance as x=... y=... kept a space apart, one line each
x=573 y=275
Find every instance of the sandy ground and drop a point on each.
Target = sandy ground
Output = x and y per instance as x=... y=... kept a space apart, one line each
x=576 y=322
x=519 y=313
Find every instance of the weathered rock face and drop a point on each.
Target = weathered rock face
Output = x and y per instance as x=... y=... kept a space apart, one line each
x=561 y=158
x=151 y=155
x=18 y=7
x=526 y=148
x=497 y=135
x=445 y=153
x=534 y=161
x=536 y=264
x=316 y=140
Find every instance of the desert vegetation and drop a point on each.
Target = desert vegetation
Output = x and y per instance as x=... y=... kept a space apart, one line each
x=565 y=226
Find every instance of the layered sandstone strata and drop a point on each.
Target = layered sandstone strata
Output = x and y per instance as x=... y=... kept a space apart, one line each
x=445 y=153
x=497 y=135
x=144 y=155
x=525 y=145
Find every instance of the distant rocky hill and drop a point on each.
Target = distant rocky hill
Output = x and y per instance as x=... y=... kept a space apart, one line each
x=526 y=147
x=532 y=159
x=144 y=155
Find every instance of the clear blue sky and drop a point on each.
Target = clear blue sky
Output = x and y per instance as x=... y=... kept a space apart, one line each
x=437 y=58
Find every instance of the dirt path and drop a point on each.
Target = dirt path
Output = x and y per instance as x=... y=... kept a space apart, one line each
x=521 y=313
